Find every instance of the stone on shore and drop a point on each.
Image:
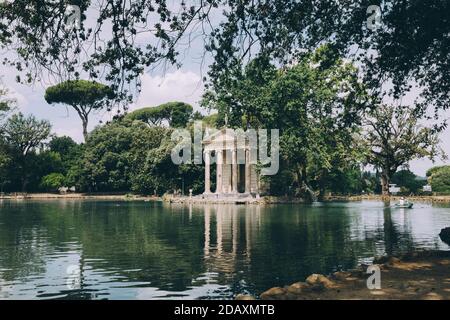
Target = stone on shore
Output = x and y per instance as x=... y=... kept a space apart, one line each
x=445 y=235
x=275 y=293
x=297 y=288
x=319 y=281
x=244 y=297
x=341 y=275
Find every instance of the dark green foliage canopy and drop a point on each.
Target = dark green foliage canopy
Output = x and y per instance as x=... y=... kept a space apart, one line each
x=176 y=114
x=127 y=155
x=440 y=179
x=79 y=93
x=24 y=134
x=53 y=181
x=68 y=150
x=412 y=43
x=21 y=165
x=83 y=96
x=433 y=170
x=317 y=104
x=63 y=145
x=408 y=181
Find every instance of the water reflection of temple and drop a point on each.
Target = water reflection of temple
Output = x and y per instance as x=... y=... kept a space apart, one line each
x=230 y=231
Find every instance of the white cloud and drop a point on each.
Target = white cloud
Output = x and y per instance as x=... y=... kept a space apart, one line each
x=185 y=86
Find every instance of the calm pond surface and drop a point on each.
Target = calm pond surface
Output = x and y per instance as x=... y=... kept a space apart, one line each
x=139 y=250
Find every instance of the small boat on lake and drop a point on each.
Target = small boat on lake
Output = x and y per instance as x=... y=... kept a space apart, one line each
x=404 y=204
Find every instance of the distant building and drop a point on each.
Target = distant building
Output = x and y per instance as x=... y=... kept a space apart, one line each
x=393 y=189
x=427 y=188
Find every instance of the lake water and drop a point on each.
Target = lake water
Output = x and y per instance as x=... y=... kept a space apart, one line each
x=143 y=250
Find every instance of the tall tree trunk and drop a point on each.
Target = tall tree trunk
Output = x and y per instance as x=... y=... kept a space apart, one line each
x=85 y=125
x=306 y=192
x=24 y=173
x=322 y=186
x=84 y=116
x=385 y=179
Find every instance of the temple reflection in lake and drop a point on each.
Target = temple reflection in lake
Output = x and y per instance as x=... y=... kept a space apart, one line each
x=232 y=236
x=138 y=250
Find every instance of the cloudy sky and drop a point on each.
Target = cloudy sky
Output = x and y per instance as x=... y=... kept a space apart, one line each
x=174 y=85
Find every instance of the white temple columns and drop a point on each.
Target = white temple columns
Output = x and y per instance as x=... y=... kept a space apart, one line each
x=234 y=182
x=227 y=172
x=247 y=171
x=219 y=175
x=207 y=172
x=227 y=175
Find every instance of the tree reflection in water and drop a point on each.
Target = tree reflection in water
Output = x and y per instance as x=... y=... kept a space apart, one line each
x=145 y=250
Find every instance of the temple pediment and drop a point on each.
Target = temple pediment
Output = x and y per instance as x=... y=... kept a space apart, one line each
x=223 y=135
x=224 y=139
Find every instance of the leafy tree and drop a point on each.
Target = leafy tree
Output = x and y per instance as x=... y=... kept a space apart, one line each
x=68 y=150
x=52 y=181
x=31 y=171
x=63 y=145
x=342 y=179
x=23 y=135
x=180 y=113
x=128 y=155
x=176 y=114
x=197 y=115
x=15 y=171
x=409 y=182
x=4 y=105
x=113 y=154
x=5 y=158
x=317 y=104
x=5 y=163
x=370 y=182
x=83 y=96
x=433 y=170
x=393 y=137
x=282 y=184
x=241 y=94
x=158 y=173
x=440 y=179
x=410 y=45
x=106 y=161
x=211 y=120
x=153 y=116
